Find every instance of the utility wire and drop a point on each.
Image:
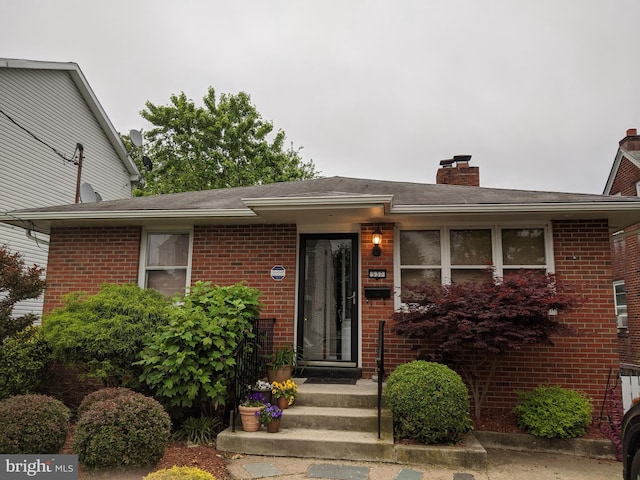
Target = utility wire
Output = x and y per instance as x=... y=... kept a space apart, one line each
x=61 y=155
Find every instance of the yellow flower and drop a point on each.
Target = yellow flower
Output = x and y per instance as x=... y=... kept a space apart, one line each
x=287 y=389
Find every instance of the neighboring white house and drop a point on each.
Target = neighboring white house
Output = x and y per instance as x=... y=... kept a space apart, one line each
x=46 y=110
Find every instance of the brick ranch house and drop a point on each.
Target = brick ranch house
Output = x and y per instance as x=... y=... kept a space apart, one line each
x=308 y=246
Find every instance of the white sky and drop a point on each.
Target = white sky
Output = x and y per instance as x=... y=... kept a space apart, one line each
x=538 y=91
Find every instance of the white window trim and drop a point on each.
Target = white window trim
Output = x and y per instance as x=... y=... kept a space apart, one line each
x=142 y=265
x=496 y=252
x=621 y=319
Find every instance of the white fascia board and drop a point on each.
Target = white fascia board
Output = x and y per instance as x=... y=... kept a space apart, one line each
x=127 y=214
x=604 y=207
x=613 y=172
x=92 y=101
x=315 y=202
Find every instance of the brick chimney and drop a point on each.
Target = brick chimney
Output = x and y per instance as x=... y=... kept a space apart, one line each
x=456 y=171
x=631 y=142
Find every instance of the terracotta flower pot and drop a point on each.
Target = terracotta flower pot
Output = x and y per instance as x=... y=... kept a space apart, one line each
x=273 y=426
x=283 y=403
x=280 y=374
x=250 y=422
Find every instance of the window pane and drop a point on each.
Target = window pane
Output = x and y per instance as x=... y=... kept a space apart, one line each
x=620 y=298
x=167 y=282
x=523 y=246
x=170 y=249
x=420 y=247
x=479 y=276
x=411 y=278
x=471 y=247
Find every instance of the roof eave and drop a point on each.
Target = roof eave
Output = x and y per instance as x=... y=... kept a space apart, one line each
x=318 y=201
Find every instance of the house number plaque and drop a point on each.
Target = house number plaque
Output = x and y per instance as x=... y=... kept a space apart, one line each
x=382 y=273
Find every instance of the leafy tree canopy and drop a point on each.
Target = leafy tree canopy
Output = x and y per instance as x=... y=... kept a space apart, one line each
x=225 y=143
x=17 y=282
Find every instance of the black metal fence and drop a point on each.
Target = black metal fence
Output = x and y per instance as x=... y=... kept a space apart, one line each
x=381 y=372
x=252 y=356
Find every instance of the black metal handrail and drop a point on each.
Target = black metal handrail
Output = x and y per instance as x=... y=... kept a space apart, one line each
x=381 y=372
x=251 y=356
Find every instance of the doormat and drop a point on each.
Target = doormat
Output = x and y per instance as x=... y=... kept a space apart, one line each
x=331 y=381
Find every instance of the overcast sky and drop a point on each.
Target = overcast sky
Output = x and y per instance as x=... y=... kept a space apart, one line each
x=539 y=92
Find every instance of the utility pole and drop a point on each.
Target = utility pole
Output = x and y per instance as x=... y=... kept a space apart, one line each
x=80 y=152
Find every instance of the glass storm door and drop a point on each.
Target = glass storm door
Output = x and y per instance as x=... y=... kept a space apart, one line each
x=328 y=301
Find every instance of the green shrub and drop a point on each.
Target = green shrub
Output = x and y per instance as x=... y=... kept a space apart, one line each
x=24 y=358
x=33 y=424
x=100 y=395
x=198 y=430
x=554 y=412
x=189 y=361
x=104 y=333
x=180 y=473
x=124 y=431
x=429 y=403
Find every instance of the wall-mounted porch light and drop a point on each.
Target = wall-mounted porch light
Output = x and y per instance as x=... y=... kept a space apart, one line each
x=376 y=239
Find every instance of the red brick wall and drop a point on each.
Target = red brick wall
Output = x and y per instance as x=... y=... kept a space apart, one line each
x=85 y=258
x=230 y=254
x=626 y=265
x=581 y=362
x=626 y=177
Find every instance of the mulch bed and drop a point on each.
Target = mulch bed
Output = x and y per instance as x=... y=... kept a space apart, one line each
x=213 y=461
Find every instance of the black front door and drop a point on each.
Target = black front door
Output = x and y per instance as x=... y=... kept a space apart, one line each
x=328 y=300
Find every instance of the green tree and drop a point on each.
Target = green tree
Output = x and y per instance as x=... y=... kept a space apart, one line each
x=225 y=143
x=17 y=282
x=104 y=333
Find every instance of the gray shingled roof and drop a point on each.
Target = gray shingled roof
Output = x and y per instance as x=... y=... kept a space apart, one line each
x=337 y=200
x=404 y=193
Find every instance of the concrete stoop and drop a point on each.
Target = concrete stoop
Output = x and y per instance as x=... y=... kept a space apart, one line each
x=339 y=422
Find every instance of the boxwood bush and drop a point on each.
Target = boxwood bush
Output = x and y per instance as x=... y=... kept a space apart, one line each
x=24 y=359
x=429 y=403
x=108 y=393
x=125 y=431
x=180 y=473
x=554 y=412
x=33 y=424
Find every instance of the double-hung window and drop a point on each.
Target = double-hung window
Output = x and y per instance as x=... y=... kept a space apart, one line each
x=453 y=255
x=165 y=261
x=620 y=298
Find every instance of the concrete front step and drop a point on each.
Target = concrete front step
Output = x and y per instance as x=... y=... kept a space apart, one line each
x=306 y=443
x=337 y=418
x=326 y=421
x=362 y=395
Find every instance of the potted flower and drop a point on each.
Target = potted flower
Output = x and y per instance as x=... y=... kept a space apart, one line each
x=263 y=387
x=270 y=416
x=248 y=409
x=282 y=364
x=285 y=392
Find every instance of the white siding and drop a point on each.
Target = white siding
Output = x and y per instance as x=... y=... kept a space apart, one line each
x=48 y=104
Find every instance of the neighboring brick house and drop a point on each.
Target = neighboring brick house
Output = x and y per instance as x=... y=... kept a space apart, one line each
x=624 y=180
x=308 y=246
x=46 y=110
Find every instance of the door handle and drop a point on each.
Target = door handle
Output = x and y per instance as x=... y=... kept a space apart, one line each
x=352 y=298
